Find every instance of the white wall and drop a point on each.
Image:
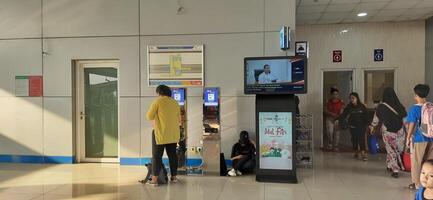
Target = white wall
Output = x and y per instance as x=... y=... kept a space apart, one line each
x=403 y=45
x=429 y=55
x=112 y=29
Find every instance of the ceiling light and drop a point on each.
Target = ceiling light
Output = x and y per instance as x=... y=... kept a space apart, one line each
x=344 y=31
x=362 y=14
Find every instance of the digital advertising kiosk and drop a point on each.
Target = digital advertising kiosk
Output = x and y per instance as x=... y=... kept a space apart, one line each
x=179 y=94
x=211 y=131
x=274 y=81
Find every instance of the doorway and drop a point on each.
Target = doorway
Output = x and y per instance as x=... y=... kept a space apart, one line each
x=343 y=81
x=96 y=110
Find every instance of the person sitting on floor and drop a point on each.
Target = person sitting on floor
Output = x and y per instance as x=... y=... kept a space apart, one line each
x=243 y=155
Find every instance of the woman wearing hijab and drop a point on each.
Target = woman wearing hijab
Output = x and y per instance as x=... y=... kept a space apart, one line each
x=356 y=115
x=243 y=155
x=391 y=113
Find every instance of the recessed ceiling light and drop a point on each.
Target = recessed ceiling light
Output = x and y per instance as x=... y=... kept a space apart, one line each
x=362 y=14
x=344 y=31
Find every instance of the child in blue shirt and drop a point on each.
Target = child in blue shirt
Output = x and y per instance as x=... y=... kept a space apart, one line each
x=415 y=139
x=426 y=178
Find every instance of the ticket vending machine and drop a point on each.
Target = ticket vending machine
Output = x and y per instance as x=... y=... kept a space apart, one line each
x=179 y=94
x=211 y=131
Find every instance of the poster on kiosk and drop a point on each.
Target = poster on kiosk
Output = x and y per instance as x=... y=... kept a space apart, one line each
x=275 y=132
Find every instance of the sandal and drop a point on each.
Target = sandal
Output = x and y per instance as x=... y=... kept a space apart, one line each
x=144 y=181
x=174 y=179
x=148 y=182
x=151 y=183
x=411 y=186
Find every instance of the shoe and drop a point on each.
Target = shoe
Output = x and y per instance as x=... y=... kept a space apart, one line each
x=394 y=174
x=336 y=150
x=239 y=173
x=232 y=173
x=174 y=179
x=364 y=156
x=152 y=183
x=329 y=147
x=356 y=156
x=411 y=186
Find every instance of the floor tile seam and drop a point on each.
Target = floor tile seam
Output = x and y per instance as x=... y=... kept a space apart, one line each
x=308 y=191
x=222 y=190
x=37 y=197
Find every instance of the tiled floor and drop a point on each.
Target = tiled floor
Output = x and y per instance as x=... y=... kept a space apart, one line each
x=335 y=176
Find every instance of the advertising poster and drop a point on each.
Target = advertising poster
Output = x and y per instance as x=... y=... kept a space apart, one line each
x=175 y=65
x=275 y=136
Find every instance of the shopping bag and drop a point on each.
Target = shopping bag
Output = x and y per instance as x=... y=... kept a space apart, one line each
x=373 y=144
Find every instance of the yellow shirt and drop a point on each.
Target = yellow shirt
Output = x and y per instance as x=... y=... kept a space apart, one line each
x=165 y=111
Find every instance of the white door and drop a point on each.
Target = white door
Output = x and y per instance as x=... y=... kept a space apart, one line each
x=97 y=111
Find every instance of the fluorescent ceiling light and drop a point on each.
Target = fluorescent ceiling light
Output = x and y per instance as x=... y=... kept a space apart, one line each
x=362 y=14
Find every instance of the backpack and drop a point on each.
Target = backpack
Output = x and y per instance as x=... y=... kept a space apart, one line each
x=162 y=178
x=427 y=119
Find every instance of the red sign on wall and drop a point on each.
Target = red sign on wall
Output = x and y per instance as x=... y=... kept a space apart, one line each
x=337 y=56
x=35 y=86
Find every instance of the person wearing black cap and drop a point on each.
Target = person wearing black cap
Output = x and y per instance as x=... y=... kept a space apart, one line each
x=243 y=155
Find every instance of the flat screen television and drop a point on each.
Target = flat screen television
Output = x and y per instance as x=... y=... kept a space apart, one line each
x=275 y=75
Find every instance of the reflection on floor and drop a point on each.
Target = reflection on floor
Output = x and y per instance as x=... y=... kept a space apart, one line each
x=335 y=176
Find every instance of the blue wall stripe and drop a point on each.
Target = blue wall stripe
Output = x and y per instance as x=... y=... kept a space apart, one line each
x=36 y=159
x=27 y=159
x=59 y=159
x=5 y=158
x=130 y=161
x=71 y=159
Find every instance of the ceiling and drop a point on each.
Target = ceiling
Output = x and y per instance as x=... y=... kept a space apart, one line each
x=345 y=11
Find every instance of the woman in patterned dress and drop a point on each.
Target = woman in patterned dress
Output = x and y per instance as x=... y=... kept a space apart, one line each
x=390 y=112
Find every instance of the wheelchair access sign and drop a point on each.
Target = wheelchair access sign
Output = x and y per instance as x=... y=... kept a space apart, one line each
x=378 y=55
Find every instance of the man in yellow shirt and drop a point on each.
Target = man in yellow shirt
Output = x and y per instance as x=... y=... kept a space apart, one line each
x=165 y=114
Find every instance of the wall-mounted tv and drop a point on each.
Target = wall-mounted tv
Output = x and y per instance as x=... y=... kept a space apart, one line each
x=275 y=75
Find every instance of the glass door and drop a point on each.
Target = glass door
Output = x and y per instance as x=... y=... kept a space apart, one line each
x=98 y=111
x=375 y=82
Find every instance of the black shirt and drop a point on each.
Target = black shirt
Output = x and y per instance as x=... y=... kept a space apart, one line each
x=356 y=115
x=392 y=121
x=246 y=150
